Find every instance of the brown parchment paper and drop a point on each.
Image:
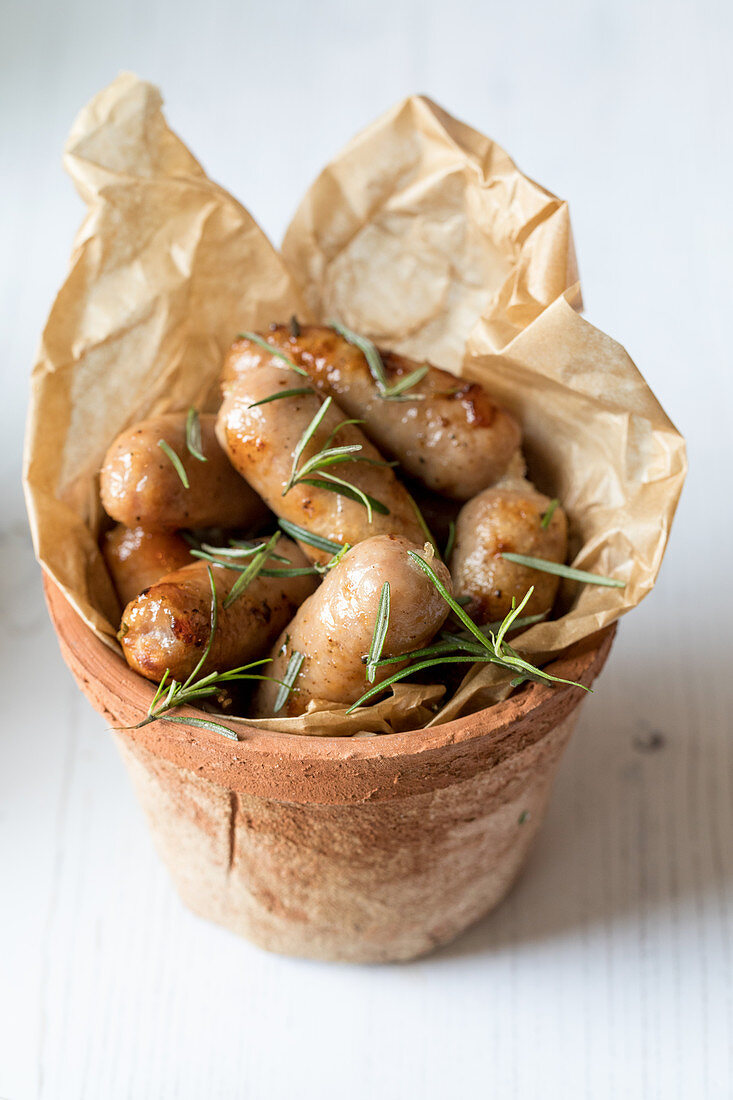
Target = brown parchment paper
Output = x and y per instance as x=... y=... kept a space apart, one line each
x=421 y=234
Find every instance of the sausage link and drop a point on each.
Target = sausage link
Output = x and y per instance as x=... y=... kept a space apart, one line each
x=168 y=626
x=446 y=432
x=334 y=627
x=137 y=558
x=261 y=443
x=506 y=519
x=140 y=486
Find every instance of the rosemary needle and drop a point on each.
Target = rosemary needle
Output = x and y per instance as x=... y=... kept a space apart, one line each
x=193 y=435
x=542 y=565
x=253 y=569
x=381 y=626
x=299 y=392
x=288 y=680
x=272 y=351
x=549 y=513
x=301 y=534
x=369 y=350
x=177 y=464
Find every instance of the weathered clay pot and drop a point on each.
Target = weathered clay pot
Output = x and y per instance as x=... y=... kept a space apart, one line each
x=365 y=850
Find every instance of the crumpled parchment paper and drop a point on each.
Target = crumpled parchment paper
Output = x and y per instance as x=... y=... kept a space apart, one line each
x=421 y=234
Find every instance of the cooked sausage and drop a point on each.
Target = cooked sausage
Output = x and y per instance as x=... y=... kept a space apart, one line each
x=447 y=432
x=137 y=558
x=334 y=627
x=168 y=626
x=506 y=519
x=261 y=444
x=140 y=486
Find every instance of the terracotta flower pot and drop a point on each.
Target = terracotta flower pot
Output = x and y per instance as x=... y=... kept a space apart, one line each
x=365 y=850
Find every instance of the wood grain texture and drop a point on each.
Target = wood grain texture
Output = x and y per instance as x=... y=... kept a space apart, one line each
x=608 y=971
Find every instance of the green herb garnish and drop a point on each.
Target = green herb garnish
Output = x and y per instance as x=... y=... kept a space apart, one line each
x=376 y=367
x=331 y=456
x=294 y=327
x=318 y=542
x=381 y=626
x=288 y=680
x=547 y=515
x=177 y=464
x=193 y=435
x=544 y=566
x=272 y=351
x=478 y=648
x=253 y=569
x=282 y=393
x=236 y=557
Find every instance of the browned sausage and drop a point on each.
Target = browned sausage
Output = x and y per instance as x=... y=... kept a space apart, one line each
x=168 y=626
x=261 y=444
x=137 y=558
x=506 y=519
x=334 y=628
x=140 y=487
x=446 y=432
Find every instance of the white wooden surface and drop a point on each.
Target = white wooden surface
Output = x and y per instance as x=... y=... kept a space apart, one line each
x=608 y=971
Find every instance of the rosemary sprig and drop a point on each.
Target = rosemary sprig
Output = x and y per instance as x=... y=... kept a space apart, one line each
x=549 y=513
x=272 y=351
x=370 y=352
x=177 y=464
x=493 y=649
x=304 y=441
x=170 y=694
x=331 y=456
x=193 y=435
x=542 y=565
x=282 y=393
x=318 y=542
x=381 y=625
x=253 y=569
x=288 y=680
x=433 y=662
x=237 y=556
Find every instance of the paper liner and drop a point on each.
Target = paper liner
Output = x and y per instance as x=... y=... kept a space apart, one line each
x=421 y=234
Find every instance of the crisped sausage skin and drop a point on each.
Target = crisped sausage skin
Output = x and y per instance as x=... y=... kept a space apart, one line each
x=334 y=627
x=447 y=432
x=140 y=486
x=168 y=625
x=499 y=520
x=261 y=442
x=137 y=558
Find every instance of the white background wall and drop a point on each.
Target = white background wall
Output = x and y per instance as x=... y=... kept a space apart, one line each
x=608 y=971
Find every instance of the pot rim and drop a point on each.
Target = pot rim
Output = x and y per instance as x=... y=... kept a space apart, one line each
x=348 y=762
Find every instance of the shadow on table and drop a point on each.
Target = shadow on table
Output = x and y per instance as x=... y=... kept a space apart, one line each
x=640 y=818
